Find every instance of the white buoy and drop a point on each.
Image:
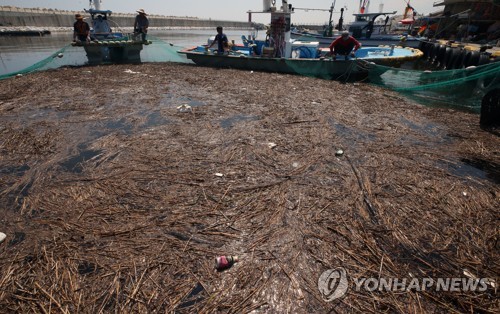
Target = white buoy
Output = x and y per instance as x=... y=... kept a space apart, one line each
x=2 y=236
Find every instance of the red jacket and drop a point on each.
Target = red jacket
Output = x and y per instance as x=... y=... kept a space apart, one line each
x=340 y=42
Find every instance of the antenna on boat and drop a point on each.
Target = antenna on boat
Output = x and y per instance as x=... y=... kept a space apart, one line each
x=329 y=32
x=363 y=6
x=96 y=4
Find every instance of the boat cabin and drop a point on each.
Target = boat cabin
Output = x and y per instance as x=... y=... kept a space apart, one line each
x=100 y=25
x=364 y=24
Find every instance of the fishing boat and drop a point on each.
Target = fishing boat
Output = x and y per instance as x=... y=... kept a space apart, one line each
x=307 y=58
x=348 y=70
x=373 y=41
x=108 y=46
x=280 y=54
x=365 y=29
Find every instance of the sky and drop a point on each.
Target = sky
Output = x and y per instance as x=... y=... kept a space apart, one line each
x=233 y=10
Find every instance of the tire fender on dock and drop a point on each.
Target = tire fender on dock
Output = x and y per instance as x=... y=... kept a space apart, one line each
x=490 y=109
x=451 y=57
x=471 y=58
x=484 y=58
x=440 y=55
x=425 y=47
x=433 y=51
x=459 y=64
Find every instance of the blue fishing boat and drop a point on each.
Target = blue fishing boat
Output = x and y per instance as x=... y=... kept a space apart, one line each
x=365 y=29
x=280 y=54
x=306 y=58
x=107 y=46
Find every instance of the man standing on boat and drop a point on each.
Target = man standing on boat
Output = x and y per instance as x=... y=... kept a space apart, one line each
x=141 y=24
x=344 y=45
x=222 y=41
x=81 y=30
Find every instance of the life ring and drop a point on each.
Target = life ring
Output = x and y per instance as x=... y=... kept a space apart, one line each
x=471 y=58
x=490 y=109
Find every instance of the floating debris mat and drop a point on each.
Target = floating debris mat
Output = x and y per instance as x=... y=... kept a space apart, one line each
x=175 y=188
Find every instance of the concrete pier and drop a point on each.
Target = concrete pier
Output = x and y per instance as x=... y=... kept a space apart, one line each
x=22 y=17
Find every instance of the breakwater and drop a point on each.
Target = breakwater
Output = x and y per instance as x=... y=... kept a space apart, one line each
x=22 y=17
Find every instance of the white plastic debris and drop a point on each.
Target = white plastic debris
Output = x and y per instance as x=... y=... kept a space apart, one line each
x=131 y=72
x=490 y=282
x=251 y=71
x=60 y=55
x=315 y=103
x=464 y=193
x=469 y=274
x=2 y=236
x=218 y=174
x=184 y=108
x=271 y=145
x=339 y=153
x=19 y=75
x=295 y=165
x=472 y=67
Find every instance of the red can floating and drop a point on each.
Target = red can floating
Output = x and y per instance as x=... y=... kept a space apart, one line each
x=225 y=262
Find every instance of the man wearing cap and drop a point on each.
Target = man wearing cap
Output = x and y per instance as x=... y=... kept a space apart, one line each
x=141 y=24
x=344 y=45
x=81 y=29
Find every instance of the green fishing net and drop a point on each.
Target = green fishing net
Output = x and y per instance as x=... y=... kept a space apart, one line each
x=457 y=88
x=157 y=51
x=326 y=69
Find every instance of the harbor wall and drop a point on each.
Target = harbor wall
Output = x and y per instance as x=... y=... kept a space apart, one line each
x=22 y=17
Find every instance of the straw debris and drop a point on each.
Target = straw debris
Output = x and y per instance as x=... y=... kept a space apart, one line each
x=110 y=203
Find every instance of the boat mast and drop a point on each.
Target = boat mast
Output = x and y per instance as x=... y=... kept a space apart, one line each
x=363 y=6
x=96 y=4
x=329 y=32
